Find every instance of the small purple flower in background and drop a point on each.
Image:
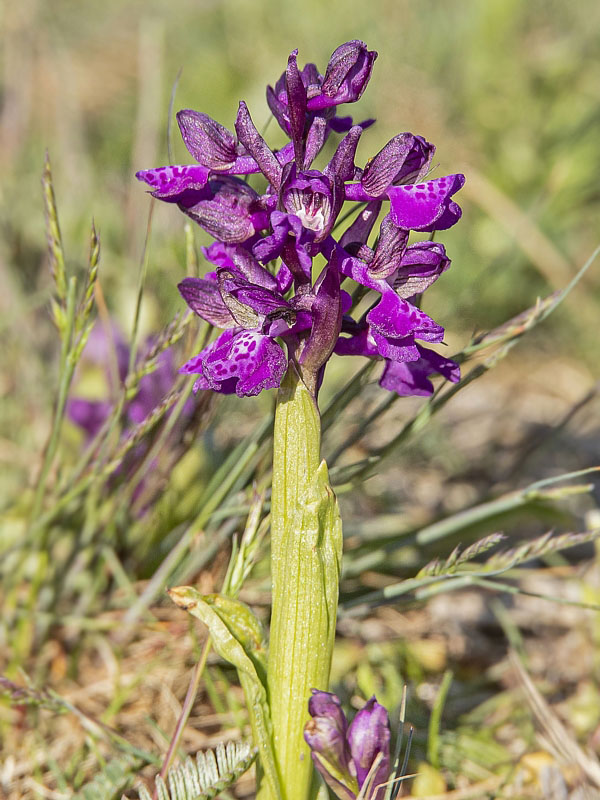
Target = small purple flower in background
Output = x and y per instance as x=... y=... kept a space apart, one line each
x=354 y=759
x=110 y=351
x=262 y=292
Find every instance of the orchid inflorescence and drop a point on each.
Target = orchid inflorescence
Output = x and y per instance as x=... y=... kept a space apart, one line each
x=262 y=292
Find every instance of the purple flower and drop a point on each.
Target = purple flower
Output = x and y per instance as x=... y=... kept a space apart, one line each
x=347 y=75
x=353 y=759
x=306 y=92
x=106 y=349
x=243 y=298
x=397 y=172
x=265 y=293
x=412 y=377
x=110 y=351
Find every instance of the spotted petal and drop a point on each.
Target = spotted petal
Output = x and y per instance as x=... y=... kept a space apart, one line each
x=426 y=206
x=178 y=184
x=244 y=362
x=395 y=348
x=396 y=317
x=393 y=316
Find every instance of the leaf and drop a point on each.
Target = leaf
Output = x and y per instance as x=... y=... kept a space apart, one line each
x=116 y=776
x=210 y=774
x=237 y=637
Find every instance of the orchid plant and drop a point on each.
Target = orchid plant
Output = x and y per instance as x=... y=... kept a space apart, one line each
x=286 y=289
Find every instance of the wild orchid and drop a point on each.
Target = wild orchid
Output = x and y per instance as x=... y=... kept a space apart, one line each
x=285 y=288
x=262 y=291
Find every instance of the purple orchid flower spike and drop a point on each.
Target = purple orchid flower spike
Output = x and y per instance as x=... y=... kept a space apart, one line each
x=353 y=760
x=264 y=295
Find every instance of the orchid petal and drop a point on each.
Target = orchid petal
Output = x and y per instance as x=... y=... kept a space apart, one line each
x=257 y=147
x=347 y=75
x=369 y=735
x=243 y=362
x=424 y=206
x=211 y=144
x=296 y=94
x=175 y=183
x=230 y=210
x=420 y=266
x=203 y=297
x=413 y=378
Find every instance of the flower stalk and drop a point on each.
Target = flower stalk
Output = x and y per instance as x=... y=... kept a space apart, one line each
x=306 y=550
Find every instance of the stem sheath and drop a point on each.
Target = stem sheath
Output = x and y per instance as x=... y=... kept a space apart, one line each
x=306 y=549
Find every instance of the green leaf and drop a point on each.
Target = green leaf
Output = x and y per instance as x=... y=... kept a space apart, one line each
x=116 y=776
x=237 y=637
x=210 y=774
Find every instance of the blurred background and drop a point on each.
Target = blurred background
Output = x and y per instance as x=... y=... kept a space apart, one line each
x=509 y=92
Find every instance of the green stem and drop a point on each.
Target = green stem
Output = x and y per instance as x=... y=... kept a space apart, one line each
x=67 y=367
x=306 y=548
x=188 y=703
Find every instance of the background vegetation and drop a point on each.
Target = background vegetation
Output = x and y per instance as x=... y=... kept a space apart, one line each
x=509 y=92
